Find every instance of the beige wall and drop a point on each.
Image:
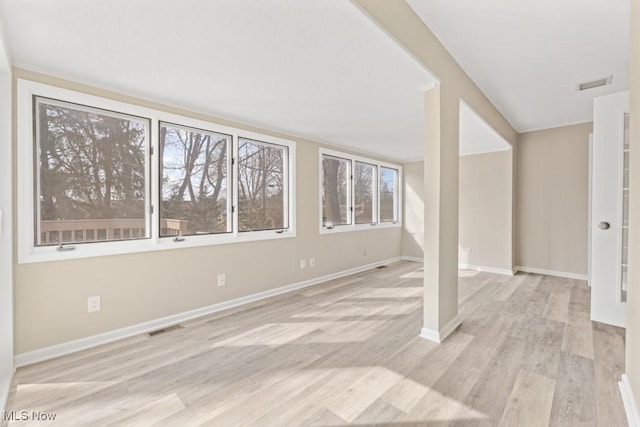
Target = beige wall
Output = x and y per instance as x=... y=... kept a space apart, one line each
x=51 y=297
x=552 y=171
x=633 y=329
x=485 y=215
x=413 y=221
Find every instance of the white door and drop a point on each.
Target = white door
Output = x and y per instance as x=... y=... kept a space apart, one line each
x=607 y=297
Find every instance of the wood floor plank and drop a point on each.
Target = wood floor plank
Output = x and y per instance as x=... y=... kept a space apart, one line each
x=323 y=417
x=408 y=392
x=573 y=403
x=580 y=299
x=379 y=413
x=530 y=401
x=608 y=346
x=491 y=392
x=578 y=334
x=152 y=413
x=504 y=292
x=558 y=304
x=349 y=404
x=544 y=346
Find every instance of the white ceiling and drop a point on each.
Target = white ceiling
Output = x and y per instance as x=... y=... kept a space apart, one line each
x=476 y=136
x=322 y=70
x=527 y=56
x=318 y=69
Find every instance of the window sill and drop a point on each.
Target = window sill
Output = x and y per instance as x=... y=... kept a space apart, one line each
x=359 y=227
x=91 y=250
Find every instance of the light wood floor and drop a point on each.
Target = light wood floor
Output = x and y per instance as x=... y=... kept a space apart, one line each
x=348 y=352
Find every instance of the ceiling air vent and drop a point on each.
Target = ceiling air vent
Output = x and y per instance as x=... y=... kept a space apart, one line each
x=595 y=83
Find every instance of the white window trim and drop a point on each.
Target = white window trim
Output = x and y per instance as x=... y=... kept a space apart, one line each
x=353 y=226
x=29 y=253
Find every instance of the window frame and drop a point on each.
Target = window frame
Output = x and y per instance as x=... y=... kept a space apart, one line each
x=375 y=193
x=286 y=218
x=396 y=194
x=230 y=177
x=352 y=159
x=28 y=252
x=350 y=197
x=37 y=99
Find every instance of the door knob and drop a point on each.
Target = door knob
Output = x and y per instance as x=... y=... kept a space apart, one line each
x=604 y=225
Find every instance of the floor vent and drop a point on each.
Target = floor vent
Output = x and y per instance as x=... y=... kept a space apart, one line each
x=163 y=330
x=381 y=267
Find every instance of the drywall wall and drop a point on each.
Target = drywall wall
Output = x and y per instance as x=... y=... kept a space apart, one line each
x=6 y=243
x=441 y=150
x=51 y=297
x=413 y=221
x=485 y=210
x=633 y=330
x=552 y=169
x=485 y=214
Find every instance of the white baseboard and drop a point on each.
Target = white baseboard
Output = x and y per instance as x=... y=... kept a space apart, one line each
x=552 y=273
x=412 y=258
x=486 y=269
x=58 y=350
x=443 y=333
x=628 y=398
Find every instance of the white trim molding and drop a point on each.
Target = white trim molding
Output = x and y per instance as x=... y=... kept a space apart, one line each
x=552 y=273
x=412 y=258
x=58 y=350
x=628 y=398
x=444 y=332
x=493 y=150
x=487 y=269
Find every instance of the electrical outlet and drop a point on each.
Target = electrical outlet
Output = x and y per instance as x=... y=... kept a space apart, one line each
x=93 y=304
x=222 y=279
x=303 y=263
x=312 y=262
x=468 y=250
x=364 y=252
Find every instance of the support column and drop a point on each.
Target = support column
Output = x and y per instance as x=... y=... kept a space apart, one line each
x=441 y=121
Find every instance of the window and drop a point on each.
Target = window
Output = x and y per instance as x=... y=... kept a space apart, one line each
x=336 y=198
x=364 y=188
x=262 y=200
x=388 y=195
x=357 y=193
x=194 y=190
x=92 y=172
x=102 y=177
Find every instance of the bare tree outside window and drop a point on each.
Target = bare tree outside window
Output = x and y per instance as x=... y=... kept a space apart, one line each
x=91 y=176
x=364 y=182
x=194 y=187
x=388 y=194
x=262 y=204
x=335 y=193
